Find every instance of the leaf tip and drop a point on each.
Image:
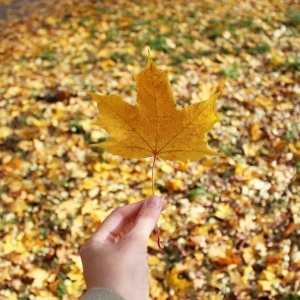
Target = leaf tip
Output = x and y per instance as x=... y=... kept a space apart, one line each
x=215 y=96
x=91 y=94
x=220 y=155
x=95 y=123
x=150 y=61
x=213 y=100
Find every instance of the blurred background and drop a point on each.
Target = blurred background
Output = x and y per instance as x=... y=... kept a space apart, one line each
x=231 y=228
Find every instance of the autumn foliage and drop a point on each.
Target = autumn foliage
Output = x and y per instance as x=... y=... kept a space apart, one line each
x=232 y=224
x=155 y=126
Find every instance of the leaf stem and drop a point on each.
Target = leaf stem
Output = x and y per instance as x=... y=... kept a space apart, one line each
x=156 y=227
x=153 y=170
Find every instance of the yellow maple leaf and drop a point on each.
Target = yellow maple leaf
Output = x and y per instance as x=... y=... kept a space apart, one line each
x=155 y=126
x=181 y=285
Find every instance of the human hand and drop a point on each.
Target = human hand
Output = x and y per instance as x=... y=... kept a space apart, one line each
x=115 y=256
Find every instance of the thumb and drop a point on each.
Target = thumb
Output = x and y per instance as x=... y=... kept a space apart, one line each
x=147 y=217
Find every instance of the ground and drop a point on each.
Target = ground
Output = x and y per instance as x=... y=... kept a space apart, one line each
x=231 y=227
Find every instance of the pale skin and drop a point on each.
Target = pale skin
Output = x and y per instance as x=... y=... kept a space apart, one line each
x=115 y=256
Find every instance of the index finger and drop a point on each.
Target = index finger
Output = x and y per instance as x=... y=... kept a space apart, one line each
x=117 y=223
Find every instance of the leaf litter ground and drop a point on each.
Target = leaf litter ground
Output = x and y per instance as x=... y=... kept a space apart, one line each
x=231 y=227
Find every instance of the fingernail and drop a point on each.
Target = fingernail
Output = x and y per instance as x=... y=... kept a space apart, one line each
x=154 y=202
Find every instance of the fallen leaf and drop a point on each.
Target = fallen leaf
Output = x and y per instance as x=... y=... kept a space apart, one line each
x=295 y=149
x=289 y=230
x=39 y=277
x=180 y=285
x=19 y=207
x=174 y=185
x=255 y=132
x=223 y=256
x=225 y=212
x=67 y=207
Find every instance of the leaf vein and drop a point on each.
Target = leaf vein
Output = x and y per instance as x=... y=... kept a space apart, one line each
x=180 y=132
x=133 y=129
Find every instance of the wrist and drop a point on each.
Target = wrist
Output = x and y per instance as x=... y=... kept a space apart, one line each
x=101 y=294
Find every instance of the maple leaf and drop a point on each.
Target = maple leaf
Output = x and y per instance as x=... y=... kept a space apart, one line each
x=155 y=126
